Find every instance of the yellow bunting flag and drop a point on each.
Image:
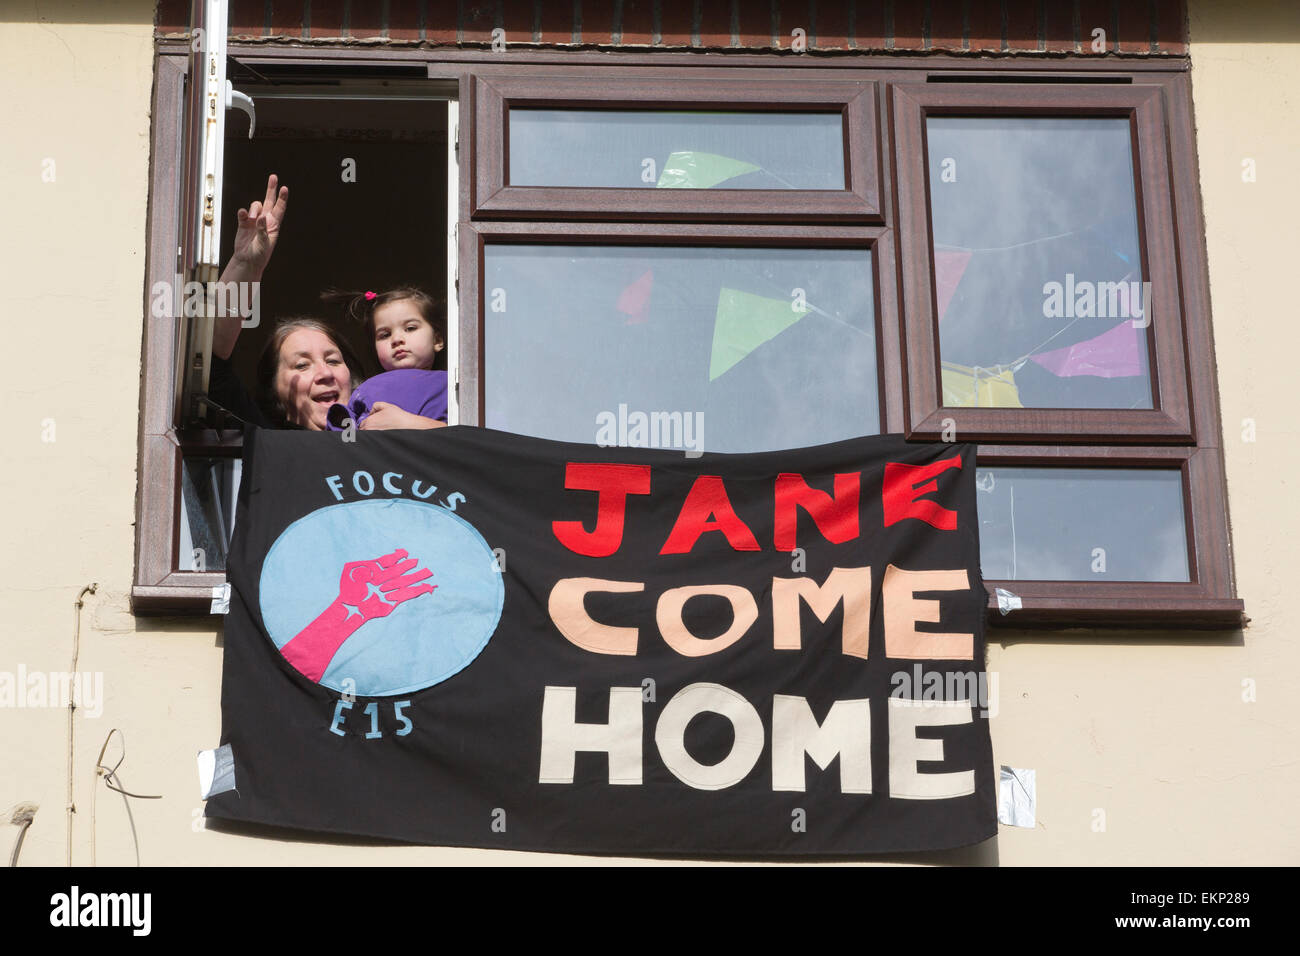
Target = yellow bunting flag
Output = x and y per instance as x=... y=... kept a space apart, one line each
x=965 y=387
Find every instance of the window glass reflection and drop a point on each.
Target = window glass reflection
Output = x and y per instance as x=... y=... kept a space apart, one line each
x=1038 y=270
x=752 y=349
x=676 y=150
x=209 y=491
x=1082 y=524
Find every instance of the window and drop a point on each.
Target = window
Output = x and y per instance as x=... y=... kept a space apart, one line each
x=542 y=150
x=1020 y=204
x=341 y=140
x=743 y=257
x=708 y=334
x=1056 y=312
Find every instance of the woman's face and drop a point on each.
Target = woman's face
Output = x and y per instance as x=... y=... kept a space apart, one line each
x=311 y=377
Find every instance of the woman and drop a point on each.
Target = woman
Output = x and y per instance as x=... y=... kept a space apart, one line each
x=305 y=368
x=302 y=371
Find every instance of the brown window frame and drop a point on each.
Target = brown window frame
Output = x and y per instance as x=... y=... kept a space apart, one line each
x=855 y=100
x=158 y=586
x=1155 y=94
x=476 y=237
x=1184 y=428
x=1140 y=104
x=1204 y=601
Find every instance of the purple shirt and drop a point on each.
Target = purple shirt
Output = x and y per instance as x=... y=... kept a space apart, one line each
x=411 y=389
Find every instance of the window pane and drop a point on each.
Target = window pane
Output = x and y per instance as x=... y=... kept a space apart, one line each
x=1038 y=269
x=755 y=348
x=209 y=490
x=649 y=149
x=1082 y=524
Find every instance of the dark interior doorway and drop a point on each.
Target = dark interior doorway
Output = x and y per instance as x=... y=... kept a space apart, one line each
x=367 y=175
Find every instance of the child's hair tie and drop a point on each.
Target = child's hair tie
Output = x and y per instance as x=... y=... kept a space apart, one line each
x=371 y=295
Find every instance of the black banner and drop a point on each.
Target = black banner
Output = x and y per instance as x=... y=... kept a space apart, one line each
x=470 y=638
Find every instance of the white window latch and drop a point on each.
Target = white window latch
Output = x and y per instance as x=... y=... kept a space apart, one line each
x=241 y=101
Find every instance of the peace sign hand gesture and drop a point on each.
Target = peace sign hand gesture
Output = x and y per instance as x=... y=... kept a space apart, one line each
x=259 y=228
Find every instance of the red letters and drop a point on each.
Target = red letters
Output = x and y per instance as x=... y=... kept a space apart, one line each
x=614 y=483
x=905 y=484
x=708 y=508
x=836 y=517
x=708 y=497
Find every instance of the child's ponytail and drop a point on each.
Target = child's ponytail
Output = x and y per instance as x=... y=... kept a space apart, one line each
x=360 y=307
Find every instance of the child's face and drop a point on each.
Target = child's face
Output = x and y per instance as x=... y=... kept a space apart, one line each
x=403 y=338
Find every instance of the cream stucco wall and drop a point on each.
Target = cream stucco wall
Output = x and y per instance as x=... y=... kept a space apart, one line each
x=1152 y=730
x=1149 y=729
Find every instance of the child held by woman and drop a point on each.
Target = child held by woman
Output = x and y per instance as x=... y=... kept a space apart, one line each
x=408 y=330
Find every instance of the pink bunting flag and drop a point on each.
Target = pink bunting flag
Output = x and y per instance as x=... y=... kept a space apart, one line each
x=634 y=301
x=1113 y=354
x=949 y=267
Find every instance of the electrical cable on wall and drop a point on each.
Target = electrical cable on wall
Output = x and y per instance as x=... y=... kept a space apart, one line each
x=21 y=816
x=113 y=781
x=72 y=706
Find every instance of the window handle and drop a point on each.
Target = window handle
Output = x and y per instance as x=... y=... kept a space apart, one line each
x=241 y=101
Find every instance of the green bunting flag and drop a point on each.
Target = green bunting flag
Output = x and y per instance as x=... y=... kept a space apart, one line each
x=687 y=169
x=744 y=322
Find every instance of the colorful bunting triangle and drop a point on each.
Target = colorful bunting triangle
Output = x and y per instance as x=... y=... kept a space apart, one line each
x=966 y=387
x=634 y=300
x=744 y=322
x=949 y=267
x=687 y=169
x=1113 y=354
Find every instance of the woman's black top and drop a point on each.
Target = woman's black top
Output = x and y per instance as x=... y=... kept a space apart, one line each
x=228 y=393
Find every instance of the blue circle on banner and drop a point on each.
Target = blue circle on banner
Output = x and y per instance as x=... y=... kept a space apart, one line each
x=423 y=639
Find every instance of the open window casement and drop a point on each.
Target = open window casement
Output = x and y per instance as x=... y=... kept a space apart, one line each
x=453 y=261
x=208 y=96
x=404 y=130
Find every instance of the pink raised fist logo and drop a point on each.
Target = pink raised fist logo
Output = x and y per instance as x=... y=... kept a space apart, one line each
x=367 y=590
x=377 y=586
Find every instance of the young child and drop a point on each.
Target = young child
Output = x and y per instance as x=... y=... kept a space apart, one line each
x=407 y=328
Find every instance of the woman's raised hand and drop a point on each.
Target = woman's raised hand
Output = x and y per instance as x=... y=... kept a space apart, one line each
x=259 y=227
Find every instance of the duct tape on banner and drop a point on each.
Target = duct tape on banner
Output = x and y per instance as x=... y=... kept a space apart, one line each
x=221 y=599
x=216 y=771
x=1017 y=796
